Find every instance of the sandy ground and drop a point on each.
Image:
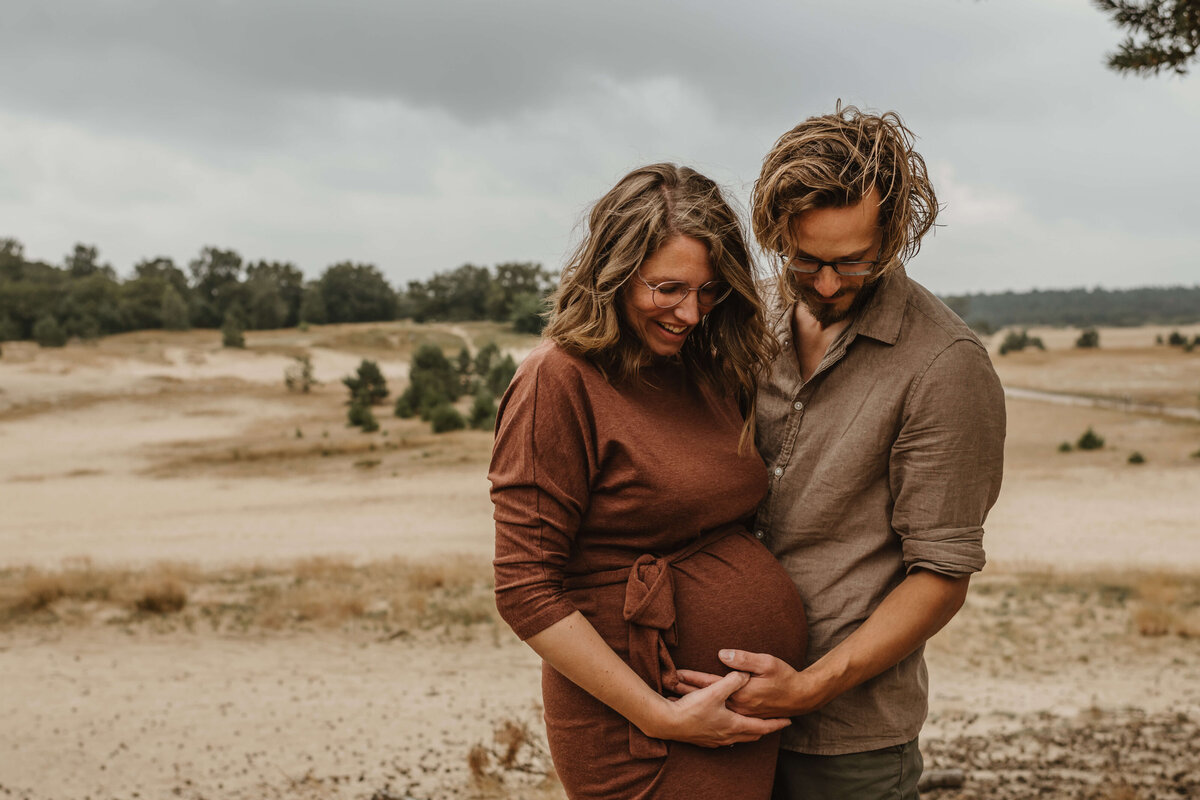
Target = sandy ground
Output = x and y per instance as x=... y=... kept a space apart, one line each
x=153 y=447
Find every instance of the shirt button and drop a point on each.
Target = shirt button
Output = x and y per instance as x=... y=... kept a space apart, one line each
x=798 y=405
x=778 y=471
x=758 y=534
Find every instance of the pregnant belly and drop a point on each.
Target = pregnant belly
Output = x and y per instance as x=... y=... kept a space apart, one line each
x=732 y=594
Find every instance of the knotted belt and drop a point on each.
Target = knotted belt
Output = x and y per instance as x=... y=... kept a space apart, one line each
x=650 y=614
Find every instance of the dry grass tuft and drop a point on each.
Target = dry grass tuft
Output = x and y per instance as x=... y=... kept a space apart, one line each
x=517 y=761
x=511 y=737
x=395 y=595
x=161 y=596
x=1167 y=604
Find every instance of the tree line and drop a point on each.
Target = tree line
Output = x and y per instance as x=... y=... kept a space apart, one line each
x=219 y=289
x=1081 y=308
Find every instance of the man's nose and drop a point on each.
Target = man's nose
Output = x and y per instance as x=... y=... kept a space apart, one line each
x=827 y=282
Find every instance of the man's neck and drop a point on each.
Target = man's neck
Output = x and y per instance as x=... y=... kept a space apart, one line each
x=811 y=339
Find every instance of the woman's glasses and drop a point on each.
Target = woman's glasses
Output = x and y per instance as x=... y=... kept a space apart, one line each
x=669 y=294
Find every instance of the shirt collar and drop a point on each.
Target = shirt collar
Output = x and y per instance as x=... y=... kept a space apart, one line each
x=883 y=314
x=880 y=318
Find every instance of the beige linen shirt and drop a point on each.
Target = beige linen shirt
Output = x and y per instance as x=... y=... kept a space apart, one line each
x=885 y=461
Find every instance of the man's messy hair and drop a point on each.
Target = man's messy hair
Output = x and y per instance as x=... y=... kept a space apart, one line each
x=832 y=161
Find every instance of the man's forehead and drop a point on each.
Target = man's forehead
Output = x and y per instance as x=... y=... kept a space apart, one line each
x=848 y=229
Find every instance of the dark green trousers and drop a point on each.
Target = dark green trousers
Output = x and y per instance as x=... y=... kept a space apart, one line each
x=887 y=774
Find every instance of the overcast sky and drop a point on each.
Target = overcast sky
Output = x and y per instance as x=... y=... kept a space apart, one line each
x=421 y=134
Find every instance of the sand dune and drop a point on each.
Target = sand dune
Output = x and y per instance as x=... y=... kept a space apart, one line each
x=155 y=446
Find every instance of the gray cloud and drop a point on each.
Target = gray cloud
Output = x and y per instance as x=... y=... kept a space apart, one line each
x=419 y=134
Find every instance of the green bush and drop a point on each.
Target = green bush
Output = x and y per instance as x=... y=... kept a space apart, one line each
x=367 y=383
x=445 y=417
x=484 y=357
x=528 y=311
x=432 y=381
x=234 y=327
x=1089 y=337
x=360 y=415
x=9 y=330
x=406 y=407
x=483 y=411
x=48 y=333
x=1090 y=440
x=1014 y=342
x=1065 y=447
x=1176 y=339
x=173 y=310
x=1136 y=458
x=501 y=375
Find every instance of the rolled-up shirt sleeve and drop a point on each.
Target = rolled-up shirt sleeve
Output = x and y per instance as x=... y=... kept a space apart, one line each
x=947 y=461
x=541 y=463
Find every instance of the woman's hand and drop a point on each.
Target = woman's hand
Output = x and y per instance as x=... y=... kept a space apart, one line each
x=701 y=718
x=573 y=647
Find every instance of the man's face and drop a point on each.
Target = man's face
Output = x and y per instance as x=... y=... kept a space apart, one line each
x=851 y=233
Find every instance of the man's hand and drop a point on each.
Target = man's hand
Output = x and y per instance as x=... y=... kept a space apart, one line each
x=910 y=614
x=706 y=717
x=774 y=689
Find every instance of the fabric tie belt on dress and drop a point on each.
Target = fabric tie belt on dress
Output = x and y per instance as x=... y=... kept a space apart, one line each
x=650 y=612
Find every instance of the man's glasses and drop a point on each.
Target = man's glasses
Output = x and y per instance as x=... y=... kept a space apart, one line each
x=669 y=294
x=811 y=266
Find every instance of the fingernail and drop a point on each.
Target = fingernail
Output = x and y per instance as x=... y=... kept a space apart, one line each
x=725 y=655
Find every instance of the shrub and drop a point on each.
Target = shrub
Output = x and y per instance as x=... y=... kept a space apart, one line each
x=463 y=362
x=433 y=381
x=359 y=415
x=234 y=327
x=501 y=375
x=405 y=407
x=1090 y=440
x=298 y=376
x=1090 y=337
x=483 y=358
x=483 y=411
x=173 y=310
x=48 y=333
x=1014 y=342
x=1176 y=339
x=1065 y=447
x=1136 y=458
x=528 y=311
x=9 y=330
x=368 y=383
x=445 y=417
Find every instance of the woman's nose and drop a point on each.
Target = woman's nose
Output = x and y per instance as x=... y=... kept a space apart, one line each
x=688 y=311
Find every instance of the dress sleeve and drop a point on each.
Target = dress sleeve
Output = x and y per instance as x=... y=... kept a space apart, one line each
x=540 y=473
x=947 y=462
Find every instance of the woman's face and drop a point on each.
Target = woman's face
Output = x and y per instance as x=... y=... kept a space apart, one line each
x=664 y=330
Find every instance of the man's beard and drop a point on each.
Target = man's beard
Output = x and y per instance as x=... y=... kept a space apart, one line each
x=827 y=314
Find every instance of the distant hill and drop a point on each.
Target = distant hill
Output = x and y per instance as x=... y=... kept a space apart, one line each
x=1165 y=305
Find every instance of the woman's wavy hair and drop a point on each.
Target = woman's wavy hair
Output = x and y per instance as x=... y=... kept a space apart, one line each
x=832 y=161
x=626 y=226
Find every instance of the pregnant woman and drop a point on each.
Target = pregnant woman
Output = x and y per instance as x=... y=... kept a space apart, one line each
x=623 y=477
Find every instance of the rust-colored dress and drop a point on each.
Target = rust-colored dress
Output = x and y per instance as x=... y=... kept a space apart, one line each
x=629 y=504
